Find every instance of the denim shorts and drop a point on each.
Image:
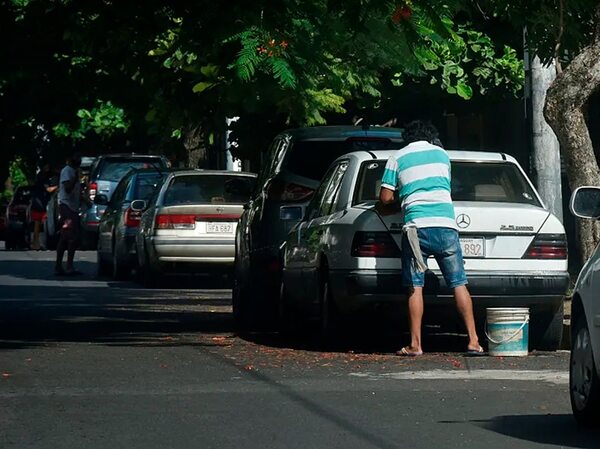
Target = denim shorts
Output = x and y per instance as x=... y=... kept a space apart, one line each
x=441 y=243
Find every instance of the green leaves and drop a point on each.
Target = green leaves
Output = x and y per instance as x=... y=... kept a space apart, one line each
x=104 y=119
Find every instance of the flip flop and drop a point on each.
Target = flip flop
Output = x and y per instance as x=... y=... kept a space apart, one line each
x=478 y=352
x=404 y=352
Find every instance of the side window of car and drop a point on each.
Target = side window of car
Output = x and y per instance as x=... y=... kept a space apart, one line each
x=269 y=162
x=119 y=193
x=312 y=210
x=333 y=189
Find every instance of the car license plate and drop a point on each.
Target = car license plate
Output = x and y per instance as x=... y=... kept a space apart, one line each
x=219 y=228
x=472 y=247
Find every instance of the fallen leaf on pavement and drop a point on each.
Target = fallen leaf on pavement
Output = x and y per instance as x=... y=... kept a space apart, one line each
x=249 y=368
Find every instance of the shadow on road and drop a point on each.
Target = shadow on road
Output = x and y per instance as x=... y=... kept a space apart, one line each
x=32 y=315
x=37 y=307
x=557 y=430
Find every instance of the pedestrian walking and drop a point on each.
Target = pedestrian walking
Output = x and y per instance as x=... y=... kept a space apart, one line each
x=69 y=196
x=420 y=174
x=39 y=200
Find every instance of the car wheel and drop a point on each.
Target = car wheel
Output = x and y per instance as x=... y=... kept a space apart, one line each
x=150 y=278
x=120 y=270
x=102 y=266
x=329 y=316
x=584 y=383
x=288 y=319
x=9 y=242
x=546 y=330
x=242 y=305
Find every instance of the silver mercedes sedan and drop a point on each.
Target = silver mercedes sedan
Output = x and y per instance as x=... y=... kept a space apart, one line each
x=344 y=257
x=189 y=224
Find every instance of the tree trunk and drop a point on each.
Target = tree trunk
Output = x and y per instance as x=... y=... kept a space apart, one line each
x=193 y=143
x=564 y=111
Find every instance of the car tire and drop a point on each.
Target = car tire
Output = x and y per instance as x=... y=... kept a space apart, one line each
x=328 y=313
x=288 y=323
x=584 y=382
x=242 y=302
x=149 y=277
x=546 y=330
x=102 y=266
x=120 y=270
x=9 y=243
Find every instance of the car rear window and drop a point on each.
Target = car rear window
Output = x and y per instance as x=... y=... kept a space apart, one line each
x=114 y=169
x=311 y=158
x=146 y=184
x=22 y=195
x=209 y=189
x=479 y=182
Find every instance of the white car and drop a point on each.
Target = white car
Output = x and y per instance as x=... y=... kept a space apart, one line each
x=343 y=256
x=585 y=320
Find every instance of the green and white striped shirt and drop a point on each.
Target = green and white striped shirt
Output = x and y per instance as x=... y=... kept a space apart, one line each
x=421 y=173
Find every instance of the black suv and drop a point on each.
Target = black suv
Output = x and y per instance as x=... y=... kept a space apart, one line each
x=294 y=165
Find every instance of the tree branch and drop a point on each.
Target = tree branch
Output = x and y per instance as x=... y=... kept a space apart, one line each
x=561 y=30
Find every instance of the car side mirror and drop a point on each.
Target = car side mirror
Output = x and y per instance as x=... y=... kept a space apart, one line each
x=101 y=200
x=585 y=202
x=138 y=205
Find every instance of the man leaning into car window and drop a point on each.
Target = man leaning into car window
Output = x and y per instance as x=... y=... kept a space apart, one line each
x=420 y=174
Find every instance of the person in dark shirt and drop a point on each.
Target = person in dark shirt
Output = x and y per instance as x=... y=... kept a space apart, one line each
x=39 y=200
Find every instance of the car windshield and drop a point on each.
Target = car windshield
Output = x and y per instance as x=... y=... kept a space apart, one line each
x=311 y=158
x=479 y=182
x=146 y=184
x=209 y=189
x=114 y=169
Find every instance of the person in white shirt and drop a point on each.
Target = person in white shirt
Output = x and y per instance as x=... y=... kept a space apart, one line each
x=69 y=196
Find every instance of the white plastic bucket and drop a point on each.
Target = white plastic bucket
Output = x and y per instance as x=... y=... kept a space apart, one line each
x=507 y=331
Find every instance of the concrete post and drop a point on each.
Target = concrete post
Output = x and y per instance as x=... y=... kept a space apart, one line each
x=546 y=149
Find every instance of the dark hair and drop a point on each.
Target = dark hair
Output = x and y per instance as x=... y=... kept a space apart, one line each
x=418 y=130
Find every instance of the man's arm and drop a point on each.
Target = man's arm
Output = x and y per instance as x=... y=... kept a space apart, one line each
x=386 y=196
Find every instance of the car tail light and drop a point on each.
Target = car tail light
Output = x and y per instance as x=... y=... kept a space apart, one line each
x=132 y=218
x=92 y=190
x=374 y=244
x=178 y=221
x=288 y=191
x=547 y=246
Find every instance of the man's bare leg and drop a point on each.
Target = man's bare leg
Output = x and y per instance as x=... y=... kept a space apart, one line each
x=464 y=304
x=415 y=314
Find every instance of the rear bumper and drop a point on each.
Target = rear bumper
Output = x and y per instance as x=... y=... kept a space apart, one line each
x=358 y=289
x=192 y=251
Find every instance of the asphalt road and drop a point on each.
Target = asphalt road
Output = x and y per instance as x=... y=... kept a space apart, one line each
x=89 y=363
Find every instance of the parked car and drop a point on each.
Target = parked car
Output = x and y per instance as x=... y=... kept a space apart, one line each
x=343 y=257
x=584 y=378
x=17 y=220
x=105 y=174
x=190 y=223
x=294 y=165
x=3 y=221
x=119 y=224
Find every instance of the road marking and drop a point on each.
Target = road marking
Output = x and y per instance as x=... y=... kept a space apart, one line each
x=551 y=376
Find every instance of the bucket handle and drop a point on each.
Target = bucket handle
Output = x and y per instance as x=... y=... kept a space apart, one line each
x=506 y=340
